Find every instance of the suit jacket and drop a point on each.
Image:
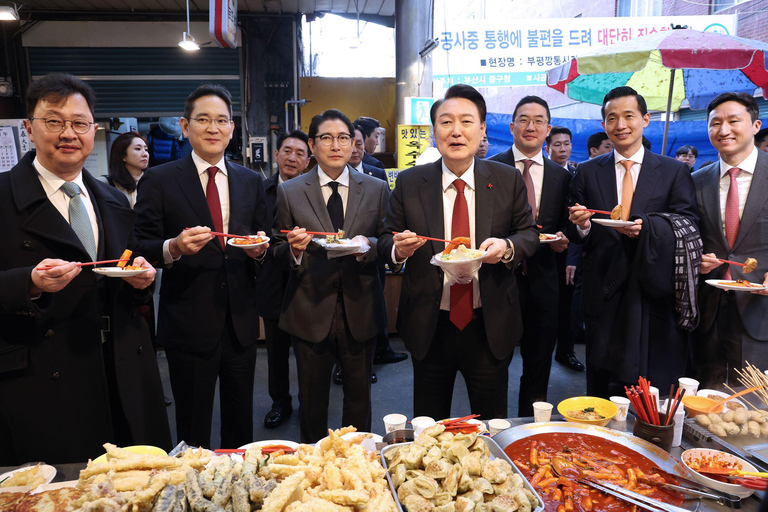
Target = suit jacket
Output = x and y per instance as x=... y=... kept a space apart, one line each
x=368 y=159
x=552 y=216
x=53 y=379
x=376 y=172
x=197 y=291
x=752 y=241
x=501 y=211
x=271 y=280
x=313 y=287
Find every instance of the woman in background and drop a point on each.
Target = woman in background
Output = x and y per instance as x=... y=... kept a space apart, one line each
x=128 y=159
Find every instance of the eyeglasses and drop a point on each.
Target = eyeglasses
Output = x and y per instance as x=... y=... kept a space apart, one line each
x=221 y=122
x=537 y=122
x=327 y=139
x=58 y=125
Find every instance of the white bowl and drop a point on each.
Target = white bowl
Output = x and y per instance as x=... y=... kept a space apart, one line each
x=738 y=490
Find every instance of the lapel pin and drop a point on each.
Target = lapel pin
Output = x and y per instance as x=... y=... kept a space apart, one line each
x=490 y=185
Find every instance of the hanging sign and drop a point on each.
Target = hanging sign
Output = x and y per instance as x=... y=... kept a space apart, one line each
x=222 y=22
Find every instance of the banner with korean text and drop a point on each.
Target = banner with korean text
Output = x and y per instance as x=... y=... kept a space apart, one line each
x=492 y=53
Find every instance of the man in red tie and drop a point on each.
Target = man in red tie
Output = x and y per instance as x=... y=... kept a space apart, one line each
x=733 y=199
x=208 y=319
x=472 y=328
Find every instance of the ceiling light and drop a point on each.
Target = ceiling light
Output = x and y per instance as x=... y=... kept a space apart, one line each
x=8 y=13
x=188 y=42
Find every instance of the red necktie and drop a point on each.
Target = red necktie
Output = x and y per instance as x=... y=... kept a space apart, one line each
x=527 y=163
x=732 y=214
x=461 y=294
x=214 y=204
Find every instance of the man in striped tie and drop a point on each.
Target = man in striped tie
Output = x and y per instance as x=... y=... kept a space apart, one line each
x=733 y=199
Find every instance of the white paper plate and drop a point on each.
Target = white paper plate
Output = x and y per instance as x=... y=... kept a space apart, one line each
x=728 y=285
x=613 y=223
x=270 y=442
x=118 y=272
x=369 y=444
x=483 y=428
x=549 y=241
x=346 y=245
x=49 y=472
x=231 y=242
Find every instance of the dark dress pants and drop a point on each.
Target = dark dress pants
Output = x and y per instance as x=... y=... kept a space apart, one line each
x=564 y=346
x=536 y=346
x=314 y=365
x=468 y=352
x=278 y=353
x=193 y=381
x=382 y=340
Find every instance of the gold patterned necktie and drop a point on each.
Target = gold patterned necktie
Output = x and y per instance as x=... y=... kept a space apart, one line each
x=627 y=189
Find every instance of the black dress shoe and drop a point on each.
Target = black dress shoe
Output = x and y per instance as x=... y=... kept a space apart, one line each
x=276 y=416
x=571 y=362
x=338 y=378
x=390 y=356
x=168 y=401
x=374 y=378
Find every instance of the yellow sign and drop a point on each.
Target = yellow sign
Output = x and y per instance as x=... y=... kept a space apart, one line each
x=412 y=140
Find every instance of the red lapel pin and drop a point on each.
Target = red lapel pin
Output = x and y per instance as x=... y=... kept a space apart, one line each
x=490 y=185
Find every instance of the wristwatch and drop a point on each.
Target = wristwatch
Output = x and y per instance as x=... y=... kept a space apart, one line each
x=508 y=252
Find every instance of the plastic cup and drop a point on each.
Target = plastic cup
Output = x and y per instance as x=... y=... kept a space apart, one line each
x=542 y=411
x=394 y=422
x=498 y=425
x=419 y=424
x=622 y=403
x=691 y=386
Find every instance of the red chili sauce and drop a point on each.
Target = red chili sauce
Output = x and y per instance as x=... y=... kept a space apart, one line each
x=594 y=456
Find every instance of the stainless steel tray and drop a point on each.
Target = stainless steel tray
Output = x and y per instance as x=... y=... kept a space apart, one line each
x=496 y=452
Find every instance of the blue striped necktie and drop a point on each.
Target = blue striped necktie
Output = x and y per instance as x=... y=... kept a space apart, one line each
x=78 y=218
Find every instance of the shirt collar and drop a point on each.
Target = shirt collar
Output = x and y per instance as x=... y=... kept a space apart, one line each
x=537 y=158
x=358 y=167
x=343 y=178
x=468 y=177
x=748 y=165
x=637 y=157
x=52 y=183
x=202 y=166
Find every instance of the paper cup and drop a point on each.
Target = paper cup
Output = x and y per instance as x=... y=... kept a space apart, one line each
x=419 y=424
x=655 y=394
x=394 y=422
x=622 y=403
x=542 y=411
x=498 y=425
x=691 y=386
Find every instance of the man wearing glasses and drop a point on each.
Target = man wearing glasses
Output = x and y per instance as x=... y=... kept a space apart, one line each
x=208 y=319
x=71 y=352
x=334 y=304
x=547 y=188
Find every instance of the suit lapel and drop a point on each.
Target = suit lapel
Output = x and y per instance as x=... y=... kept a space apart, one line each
x=546 y=182
x=484 y=202
x=354 y=199
x=758 y=195
x=189 y=183
x=237 y=188
x=431 y=194
x=315 y=198
x=606 y=182
x=115 y=221
x=710 y=207
x=646 y=183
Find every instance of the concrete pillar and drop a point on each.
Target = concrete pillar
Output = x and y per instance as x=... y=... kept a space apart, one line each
x=413 y=76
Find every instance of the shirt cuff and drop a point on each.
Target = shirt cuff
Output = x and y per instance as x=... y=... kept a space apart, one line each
x=296 y=260
x=394 y=259
x=583 y=232
x=167 y=258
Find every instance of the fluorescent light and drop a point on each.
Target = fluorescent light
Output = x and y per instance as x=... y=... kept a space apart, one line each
x=8 y=13
x=188 y=42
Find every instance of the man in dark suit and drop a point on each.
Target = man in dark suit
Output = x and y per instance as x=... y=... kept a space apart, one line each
x=547 y=191
x=371 y=134
x=292 y=156
x=333 y=306
x=630 y=326
x=208 y=319
x=357 y=157
x=472 y=328
x=733 y=200
x=77 y=367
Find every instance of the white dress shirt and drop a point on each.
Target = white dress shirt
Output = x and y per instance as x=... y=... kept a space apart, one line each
x=359 y=167
x=536 y=170
x=222 y=183
x=52 y=186
x=743 y=181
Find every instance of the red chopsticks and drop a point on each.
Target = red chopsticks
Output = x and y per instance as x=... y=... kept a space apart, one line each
x=426 y=238
x=264 y=449
x=732 y=262
x=599 y=211
x=227 y=235
x=461 y=425
x=318 y=233
x=87 y=263
x=646 y=406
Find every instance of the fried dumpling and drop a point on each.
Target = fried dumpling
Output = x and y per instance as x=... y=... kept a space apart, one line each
x=465 y=482
x=480 y=446
x=426 y=486
x=425 y=441
x=437 y=468
x=466 y=440
x=483 y=507
x=415 y=503
x=464 y=504
x=523 y=501
x=451 y=481
x=533 y=500
x=435 y=430
x=412 y=474
x=395 y=457
x=448 y=507
x=405 y=490
x=455 y=451
x=474 y=495
x=504 y=504
x=493 y=472
x=505 y=487
x=414 y=457
x=471 y=462
x=482 y=485
x=398 y=475
x=442 y=498
x=434 y=453
x=445 y=436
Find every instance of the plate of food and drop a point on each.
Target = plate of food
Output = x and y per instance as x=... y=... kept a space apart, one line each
x=713 y=394
x=589 y=410
x=697 y=458
x=272 y=445
x=30 y=476
x=739 y=285
x=612 y=223
x=479 y=425
x=368 y=441
x=248 y=242
x=126 y=271
x=548 y=238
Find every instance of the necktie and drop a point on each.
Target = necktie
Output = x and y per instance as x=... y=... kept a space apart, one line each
x=627 y=189
x=732 y=213
x=214 y=203
x=527 y=163
x=335 y=206
x=461 y=294
x=78 y=218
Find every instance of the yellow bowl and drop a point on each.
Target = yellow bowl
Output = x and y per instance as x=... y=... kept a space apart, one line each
x=603 y=407
x=695 y=405
x=140 y=449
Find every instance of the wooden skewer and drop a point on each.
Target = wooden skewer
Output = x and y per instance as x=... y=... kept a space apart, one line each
x=318 y=233
x=426 y=238
x=49 y=267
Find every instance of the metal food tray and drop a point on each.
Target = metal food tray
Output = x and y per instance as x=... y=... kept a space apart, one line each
x=496 y=452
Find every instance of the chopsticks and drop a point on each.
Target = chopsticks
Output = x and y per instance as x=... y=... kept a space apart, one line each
x=264 y=449
x=598 y=211
x=87 y=263
x=731 y=262
x=426 y=238
x=461 y=424
x=226 y=235
x=646 y=406
x=318 y=233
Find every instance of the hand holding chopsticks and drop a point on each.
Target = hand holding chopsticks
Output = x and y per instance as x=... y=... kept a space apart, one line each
x=748 y=266
x=88 y=263
x=313 y=233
